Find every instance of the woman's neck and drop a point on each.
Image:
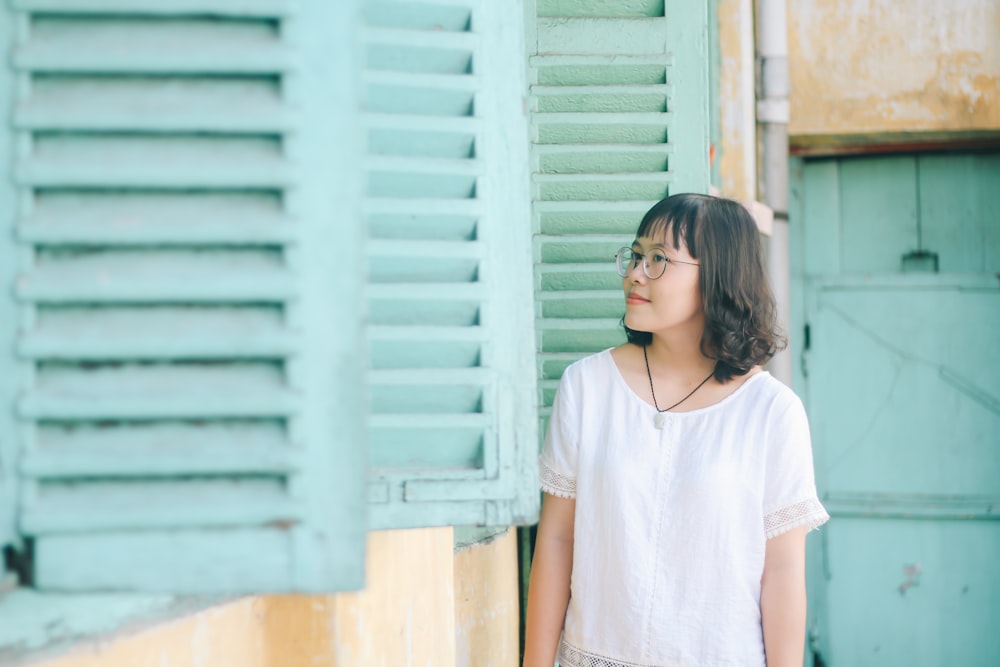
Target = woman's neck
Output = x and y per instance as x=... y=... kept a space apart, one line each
x=678 y=355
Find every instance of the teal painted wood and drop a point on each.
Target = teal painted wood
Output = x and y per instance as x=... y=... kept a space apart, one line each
x=958 y=211
x=234 y=559
x=452 y=416
x=11 y=368
x=246 y=8
x=331 y=370
x=801 y=256
x=886 y=215
x=192 y=409
x=929 y=592
x=821 y=238
x=619 y=120
x=904 y=405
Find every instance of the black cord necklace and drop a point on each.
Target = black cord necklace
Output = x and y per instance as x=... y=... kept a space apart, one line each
x=658 y=420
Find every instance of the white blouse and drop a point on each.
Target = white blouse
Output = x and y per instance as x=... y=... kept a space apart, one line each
x=671 y=523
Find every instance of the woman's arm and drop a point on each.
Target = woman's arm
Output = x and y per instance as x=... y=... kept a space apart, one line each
x=783 y=598
x=548 y=590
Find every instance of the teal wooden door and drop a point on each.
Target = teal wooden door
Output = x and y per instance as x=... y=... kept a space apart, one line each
x=899 y=367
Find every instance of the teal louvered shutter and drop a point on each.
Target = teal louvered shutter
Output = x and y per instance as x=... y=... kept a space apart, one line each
x=453 y=422
x=619 y=120
x=189 y=294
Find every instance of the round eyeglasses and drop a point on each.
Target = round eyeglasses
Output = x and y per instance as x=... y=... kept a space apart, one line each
x=653 y=264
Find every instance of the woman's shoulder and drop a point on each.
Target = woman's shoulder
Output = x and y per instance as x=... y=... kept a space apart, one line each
x=589 y=368
x=766 y=391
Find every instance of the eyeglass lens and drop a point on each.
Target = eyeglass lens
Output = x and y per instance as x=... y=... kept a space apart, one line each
x=653 y=265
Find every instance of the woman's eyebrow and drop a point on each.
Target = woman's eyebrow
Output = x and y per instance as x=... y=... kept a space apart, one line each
x=653 y=246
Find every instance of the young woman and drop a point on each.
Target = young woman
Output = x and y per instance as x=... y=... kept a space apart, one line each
x=677 y=473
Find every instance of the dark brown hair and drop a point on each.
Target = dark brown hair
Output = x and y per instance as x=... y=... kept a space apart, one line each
x=740 y=313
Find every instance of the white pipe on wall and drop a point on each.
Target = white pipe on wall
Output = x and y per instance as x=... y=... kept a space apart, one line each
x=772 y=121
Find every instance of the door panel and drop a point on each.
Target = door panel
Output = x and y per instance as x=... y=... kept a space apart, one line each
x=913 y=592
x=899 y=362
x=904 y=385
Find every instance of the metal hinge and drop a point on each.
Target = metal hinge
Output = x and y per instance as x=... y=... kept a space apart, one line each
x=806 y=344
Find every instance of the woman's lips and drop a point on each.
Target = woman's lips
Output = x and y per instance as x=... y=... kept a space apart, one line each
x=634 y=300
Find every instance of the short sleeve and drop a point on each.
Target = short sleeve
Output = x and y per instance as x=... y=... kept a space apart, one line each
x=557 y=463
x=790 y=498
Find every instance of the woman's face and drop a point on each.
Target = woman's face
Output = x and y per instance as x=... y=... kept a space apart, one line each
x=672 y=302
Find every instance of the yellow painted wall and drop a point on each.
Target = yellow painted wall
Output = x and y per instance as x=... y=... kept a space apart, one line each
x=486 y=604
x=893 y=66
x=424 y=605
x=738 y=153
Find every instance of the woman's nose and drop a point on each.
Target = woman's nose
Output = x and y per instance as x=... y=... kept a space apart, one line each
x=637 y=272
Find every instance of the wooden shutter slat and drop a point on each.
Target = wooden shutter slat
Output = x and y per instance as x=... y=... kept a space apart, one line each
x=432 y=40
x=149 y=46
x=262 y=60
x=236 y=8
x=144 y=510
x=156 y=233
x=427 y=291
x=587 y=149
x=67 y=286
x=207 y=163
x=636 y=35
x=115 y=345
x=470 y=376
x=659 y=91
x=234 y=559
x=438 y=82
x=195 y=405
x=424 y=207
x=174 y=113
x=619 y=62
x=603 y=187
x=161 y=451
x=659 y=178
x=158 y=391
x=599 y=8
x=605 y=207
x=423 y=249
x=430 y=166
x=417 y=123
x=181 y=219
x=428 y=333
x=429 y=421
x=594 y=118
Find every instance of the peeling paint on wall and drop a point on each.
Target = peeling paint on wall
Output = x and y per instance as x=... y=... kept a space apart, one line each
x=738 y=157
x=885 y=66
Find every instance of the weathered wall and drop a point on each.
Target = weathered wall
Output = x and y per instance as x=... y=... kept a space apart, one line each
x=422 y=601
x=486 y=603
x=888 y=67
x=737 y=154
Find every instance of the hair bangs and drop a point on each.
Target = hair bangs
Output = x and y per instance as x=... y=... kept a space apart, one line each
x=673 y=220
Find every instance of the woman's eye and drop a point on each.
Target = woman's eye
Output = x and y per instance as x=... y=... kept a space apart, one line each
x=659 y=259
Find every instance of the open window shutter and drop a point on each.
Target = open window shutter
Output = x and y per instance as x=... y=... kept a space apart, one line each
x=619 y=120
x=189 y=294
x=453 y=417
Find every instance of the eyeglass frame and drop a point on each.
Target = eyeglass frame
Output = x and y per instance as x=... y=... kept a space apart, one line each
x=624 y=273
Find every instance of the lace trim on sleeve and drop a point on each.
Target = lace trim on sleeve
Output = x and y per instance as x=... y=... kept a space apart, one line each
x=809 y=513
x=556 y=483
